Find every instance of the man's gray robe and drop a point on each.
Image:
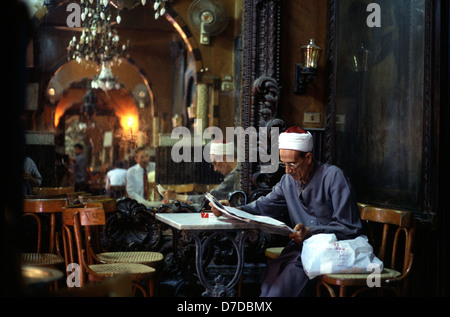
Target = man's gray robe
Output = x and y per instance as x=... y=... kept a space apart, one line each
x=230 y=183
x=325 y=204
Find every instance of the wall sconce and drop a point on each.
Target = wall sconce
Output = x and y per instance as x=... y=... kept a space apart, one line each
x=306 y=71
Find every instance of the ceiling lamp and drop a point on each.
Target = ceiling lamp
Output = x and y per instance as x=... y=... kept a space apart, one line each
x=105 y=80
x=98 y=43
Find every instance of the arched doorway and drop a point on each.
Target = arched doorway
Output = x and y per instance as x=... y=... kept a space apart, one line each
x=108 y=133
x=123 y=113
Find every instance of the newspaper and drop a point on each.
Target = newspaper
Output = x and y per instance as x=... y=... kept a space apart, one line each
x=268 y=224
x=160 y=189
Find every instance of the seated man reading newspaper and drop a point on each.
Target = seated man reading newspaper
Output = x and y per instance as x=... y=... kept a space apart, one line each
x=319 y=199
x=223 y=160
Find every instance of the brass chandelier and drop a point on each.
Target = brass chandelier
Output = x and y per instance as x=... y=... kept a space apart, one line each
x=98 y=43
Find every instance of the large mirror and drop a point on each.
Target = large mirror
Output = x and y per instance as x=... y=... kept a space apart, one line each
x=171 y=72
x=381 y=76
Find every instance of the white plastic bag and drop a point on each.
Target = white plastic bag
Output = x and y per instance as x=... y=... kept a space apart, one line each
x=324 y=254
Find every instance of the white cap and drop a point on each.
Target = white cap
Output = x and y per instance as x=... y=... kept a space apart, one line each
x=297 y=139
x=221 y=147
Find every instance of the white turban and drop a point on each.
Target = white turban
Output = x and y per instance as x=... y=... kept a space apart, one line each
x=296 y=141
x=220 y=148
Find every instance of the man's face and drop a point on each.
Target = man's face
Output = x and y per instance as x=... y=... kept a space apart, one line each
x=142 y=158
x=296 y=166
x=219 y=163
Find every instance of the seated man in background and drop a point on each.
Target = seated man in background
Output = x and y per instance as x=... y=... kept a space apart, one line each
x=223 y=159
x=137 y=177
x=319 y=199
x=117 y=177
x=31 y=176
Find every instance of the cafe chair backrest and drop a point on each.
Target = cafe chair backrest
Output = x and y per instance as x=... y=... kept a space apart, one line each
x=74 y=221
x=90 y=216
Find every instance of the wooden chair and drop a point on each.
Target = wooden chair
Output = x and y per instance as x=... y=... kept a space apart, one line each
x=117 y=191
x=141 y=257
x=394 y=251
x=108 y=204
x=91 y=266
x=35 y=208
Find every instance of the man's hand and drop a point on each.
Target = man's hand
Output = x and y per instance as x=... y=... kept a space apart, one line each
x=216 y=211
x=302 y=233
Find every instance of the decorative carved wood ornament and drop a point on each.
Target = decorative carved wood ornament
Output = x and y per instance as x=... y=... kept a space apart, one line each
x=261 y=76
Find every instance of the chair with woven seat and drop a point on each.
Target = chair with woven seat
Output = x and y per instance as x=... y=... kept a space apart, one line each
x=392 y=250
x=41 y=259
x=74 y=219
x=149 y=258
x=143 y=257
x=35 y=208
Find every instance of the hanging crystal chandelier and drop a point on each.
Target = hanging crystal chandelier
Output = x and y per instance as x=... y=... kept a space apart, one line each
x=98 y=43
x=159 y=7
x=105 y=80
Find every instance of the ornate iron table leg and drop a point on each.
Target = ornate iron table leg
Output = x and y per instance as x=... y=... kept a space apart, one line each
x=219 y=289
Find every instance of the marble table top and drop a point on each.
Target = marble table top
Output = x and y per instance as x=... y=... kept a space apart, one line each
x=195 y=221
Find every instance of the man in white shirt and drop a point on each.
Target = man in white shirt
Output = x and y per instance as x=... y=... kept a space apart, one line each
x=137 y=177
x=116 y=176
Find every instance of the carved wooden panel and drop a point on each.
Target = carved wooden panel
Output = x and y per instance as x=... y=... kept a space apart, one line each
x=261 y=57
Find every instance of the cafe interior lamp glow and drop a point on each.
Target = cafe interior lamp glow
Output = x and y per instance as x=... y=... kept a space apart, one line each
x=307 y=70
x=130 y=121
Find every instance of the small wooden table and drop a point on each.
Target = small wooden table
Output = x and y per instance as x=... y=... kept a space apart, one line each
x=192 y=224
